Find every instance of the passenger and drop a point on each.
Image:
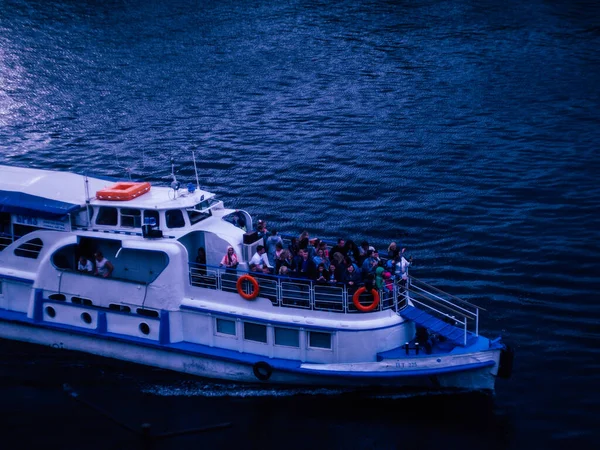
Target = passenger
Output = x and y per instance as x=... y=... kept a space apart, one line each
x=284 y=260
x=201 y=260
x=340 y=265
x=85 y=265
x=320 y=258
x=238 y=220
x=379 y=279
x=370 y=263
x=338 y=248
x=322 y=274
x=351 y=251
x=305 y=267
x=392 y=250
x=303 y=235
x=284 y=272
x=230 y=260
x=352 y=278
x=402 y=266
x=323 y=246
x=332 y=275
x=261 y=229
x=271 y=243
x=293 y=247
x=104 y=268
x=363 y=251
x=278 y=251
x=387 y=281
x=259 y=262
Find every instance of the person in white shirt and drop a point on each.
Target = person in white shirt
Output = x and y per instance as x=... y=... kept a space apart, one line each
x=84 y=265
x=259 y=262
x=402 y=266
x=104 y=268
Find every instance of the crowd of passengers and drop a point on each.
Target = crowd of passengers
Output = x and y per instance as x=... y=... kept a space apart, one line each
x=312 y=259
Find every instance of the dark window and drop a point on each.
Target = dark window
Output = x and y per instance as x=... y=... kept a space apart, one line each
x=147 y=312
x=226 y=326
x=131 y=218
x=121 y=308
x=106 y=216
x=319 y=340
x=81 y=301
x=196 y=216
x=175 y=218
x=255 y=332
x=30 y=249
x=5 y=231
x=64 y=258
x=287 y=337
x=151 y=214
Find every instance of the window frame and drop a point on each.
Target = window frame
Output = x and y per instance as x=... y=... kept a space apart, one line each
x=286 y=329
x=266 y=329
x=308 y=340
x=220 y=333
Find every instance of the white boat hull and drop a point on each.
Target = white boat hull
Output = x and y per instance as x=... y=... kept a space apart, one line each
x=385 y=374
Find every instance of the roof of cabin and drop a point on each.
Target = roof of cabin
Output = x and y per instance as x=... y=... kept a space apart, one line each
x=51 y=193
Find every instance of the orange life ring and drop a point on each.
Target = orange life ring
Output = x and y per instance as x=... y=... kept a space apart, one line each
x=370 y=307
x=252 y=295
x=122 y=191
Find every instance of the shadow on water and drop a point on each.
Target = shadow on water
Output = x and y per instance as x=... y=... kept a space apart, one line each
x=87 y=402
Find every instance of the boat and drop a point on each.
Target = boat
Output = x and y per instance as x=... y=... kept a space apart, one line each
x=158 y=306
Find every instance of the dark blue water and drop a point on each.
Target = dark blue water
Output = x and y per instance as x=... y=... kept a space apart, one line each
x=468 y=130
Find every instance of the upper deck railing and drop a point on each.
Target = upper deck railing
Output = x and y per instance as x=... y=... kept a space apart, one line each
x=295 y=292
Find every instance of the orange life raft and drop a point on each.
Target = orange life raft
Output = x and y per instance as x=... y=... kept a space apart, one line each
x=122 y=191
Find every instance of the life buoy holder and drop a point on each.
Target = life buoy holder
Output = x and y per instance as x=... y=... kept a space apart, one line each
x=359 y=306
x=240 y=288
x=262 y=370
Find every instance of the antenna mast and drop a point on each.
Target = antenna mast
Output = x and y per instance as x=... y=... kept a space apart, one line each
x=195 y=169
x=87 y=200
x=174 y=183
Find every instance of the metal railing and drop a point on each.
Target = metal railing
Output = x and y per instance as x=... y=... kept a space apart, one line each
x=295 y=292
x=453 y=310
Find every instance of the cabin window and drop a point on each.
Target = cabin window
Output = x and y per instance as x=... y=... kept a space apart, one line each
x=287 y=337
x=5 y=231
x=91 y=213
x=30 y=249
x=319 y=340
x=255 y=332
x=175 y=218
x=196 y=216
x=131 y=218
x=225 y=326
x=106 y=216
x=151 y=214
x=147 y=312
x=64 y=258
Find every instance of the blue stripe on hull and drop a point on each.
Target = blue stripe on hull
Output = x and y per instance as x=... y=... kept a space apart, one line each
x=234 y=356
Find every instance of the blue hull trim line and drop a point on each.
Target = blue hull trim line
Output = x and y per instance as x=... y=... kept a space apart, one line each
x=19 y=279
x=234 y=356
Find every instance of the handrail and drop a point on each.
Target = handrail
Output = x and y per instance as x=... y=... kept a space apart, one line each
x=458 y=299
x=288 y=291
x=460 y=310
